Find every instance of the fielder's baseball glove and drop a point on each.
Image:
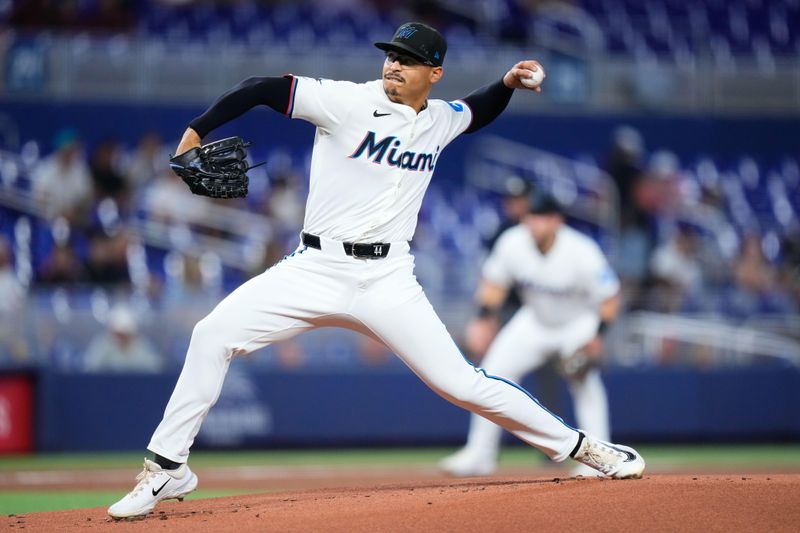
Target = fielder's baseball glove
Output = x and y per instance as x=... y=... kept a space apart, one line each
x=217 y=169
x=576 y=366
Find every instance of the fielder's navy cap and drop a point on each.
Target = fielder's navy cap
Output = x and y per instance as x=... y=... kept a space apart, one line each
x=544 y=204
x=418 y=40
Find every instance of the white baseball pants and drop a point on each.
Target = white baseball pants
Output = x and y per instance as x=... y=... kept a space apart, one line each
x=524 y=345
x=380 y=298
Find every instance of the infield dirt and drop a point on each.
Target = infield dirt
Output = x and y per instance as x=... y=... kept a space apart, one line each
x=768 y=502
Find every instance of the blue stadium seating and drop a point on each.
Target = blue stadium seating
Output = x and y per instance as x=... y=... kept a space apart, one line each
x=661 y=28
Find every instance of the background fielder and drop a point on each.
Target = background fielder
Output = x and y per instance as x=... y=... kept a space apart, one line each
x=569 y=293
x=375 y=149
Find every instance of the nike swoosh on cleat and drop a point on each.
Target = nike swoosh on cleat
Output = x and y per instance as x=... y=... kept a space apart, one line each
x=631 y=456
x=376 y=114
x=155 y=492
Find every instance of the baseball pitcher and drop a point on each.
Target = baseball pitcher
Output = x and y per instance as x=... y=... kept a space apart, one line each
x=375 y=150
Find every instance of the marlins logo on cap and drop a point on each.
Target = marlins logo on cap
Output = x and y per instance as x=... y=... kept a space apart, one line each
x=418 y=40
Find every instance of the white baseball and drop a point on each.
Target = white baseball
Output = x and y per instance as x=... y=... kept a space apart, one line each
x=535 y=79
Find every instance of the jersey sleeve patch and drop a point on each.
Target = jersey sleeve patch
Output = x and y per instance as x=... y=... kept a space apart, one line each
x=457 y=106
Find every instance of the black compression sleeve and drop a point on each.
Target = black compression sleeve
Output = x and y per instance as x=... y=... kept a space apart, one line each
x=486 y=104
x=273 y=92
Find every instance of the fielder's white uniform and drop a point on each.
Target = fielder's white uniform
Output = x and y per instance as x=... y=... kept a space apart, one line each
x=561 y=291
x=371 y=164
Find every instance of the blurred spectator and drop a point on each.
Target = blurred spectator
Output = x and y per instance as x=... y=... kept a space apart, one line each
x=789 y=273
x=285 y=201
x=755 y=290
x=676 y=271
x=107 y=259
x=121 y=348
x=516 y=203
x=676 y=260
x=751 y=269
x=62 y=182
x=710 y=184
x=187 y=282
x=146 y=161
x=12 y=293
x=658 y=193
x=62 y=266
x=108 y=181
x=656 y=196
x=624 y=166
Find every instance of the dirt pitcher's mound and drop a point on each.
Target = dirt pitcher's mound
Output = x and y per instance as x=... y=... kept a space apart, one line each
x=655 y=503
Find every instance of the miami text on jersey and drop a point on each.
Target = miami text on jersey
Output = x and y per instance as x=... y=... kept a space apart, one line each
x=552 y=290
x=396 y=158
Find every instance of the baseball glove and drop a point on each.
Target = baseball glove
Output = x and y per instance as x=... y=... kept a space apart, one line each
x=217 y=169
x=576 y=366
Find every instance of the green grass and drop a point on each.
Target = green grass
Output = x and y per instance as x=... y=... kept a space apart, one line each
x=776 y=455
x=21 y=502
x=734 y=456
x=738 y=457
x=679 y=455
x=202 y=459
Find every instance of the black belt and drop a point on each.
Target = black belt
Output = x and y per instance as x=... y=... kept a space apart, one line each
x=359 y=250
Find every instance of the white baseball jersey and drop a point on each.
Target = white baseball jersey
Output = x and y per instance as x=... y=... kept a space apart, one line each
x=372 y=160
x=561 y=286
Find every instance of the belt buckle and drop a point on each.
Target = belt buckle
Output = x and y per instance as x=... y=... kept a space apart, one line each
x=377 y=251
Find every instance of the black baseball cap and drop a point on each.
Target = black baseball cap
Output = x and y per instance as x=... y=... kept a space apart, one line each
x=418 y=40
x=544 y=204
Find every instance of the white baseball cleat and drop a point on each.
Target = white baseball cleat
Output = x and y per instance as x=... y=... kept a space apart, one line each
x=154 y=484
x=613 y=460
x=584 y=471
x=466 y=463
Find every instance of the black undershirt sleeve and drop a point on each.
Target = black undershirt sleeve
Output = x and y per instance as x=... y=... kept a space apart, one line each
x=273 y=92
x=486 y=104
